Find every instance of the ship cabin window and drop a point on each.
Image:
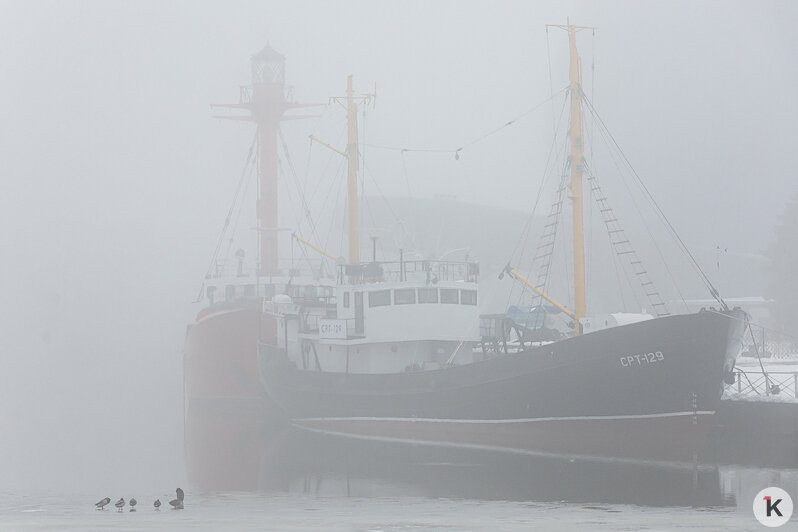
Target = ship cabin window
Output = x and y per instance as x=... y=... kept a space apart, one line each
x=346 y=299
x=249 y=290
x=427 y=295
x=468 y=297
x=404 y=296
x=379 y=298
x=450 y=295
x=209 y=292
x=229 y=292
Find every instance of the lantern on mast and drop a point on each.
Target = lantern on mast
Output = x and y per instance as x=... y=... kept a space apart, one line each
x=266 y=103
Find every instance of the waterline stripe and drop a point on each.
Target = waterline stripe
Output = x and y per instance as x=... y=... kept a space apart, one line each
x=507 y=421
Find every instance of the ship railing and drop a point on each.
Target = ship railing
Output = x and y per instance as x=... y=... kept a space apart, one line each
x=428 y=271
x=499 y=334
x=234 y=268
x=755 y=383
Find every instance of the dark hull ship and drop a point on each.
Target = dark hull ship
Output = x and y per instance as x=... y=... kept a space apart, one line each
x=394 y=356
x=641 y=391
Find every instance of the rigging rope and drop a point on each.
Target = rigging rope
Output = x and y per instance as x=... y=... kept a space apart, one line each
x=304 y=204
x=705 y=279
x=456 y=151
x=247 y=182
x=652 y=238
x=551 y=85
x=229 y=214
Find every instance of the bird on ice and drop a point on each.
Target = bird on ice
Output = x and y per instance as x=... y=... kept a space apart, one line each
x=157 y=504
x=120 y=504
x=177 y=504
x=101 y=504
x=133 y=504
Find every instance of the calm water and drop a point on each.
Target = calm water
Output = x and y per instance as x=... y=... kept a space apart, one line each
x=300 y=481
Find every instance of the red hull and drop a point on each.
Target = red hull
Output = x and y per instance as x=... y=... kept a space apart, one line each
x=221 y=358
x=228 y=418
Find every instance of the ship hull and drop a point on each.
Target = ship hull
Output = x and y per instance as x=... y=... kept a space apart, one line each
x=612 y=393
x=228 y=419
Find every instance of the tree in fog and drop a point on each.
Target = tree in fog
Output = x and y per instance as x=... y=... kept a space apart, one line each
x=783 y=267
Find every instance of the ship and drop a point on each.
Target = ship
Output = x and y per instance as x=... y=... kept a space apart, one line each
x=401 y=353
x=226 y=411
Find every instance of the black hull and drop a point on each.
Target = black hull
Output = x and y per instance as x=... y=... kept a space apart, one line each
x=665 y=368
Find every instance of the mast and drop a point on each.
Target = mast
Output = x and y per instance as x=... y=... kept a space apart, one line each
x=576 y=159
x=266 y=102
x=351 y=176
x=576 y=132
x=349 y=102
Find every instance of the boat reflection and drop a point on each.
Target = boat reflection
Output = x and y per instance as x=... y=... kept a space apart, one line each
x=305 y=462
x=229 y=454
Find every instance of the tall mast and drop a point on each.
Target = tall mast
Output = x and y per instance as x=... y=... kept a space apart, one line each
x=266 y=102
x=351 y=177
x=576 y=159
x=350 y=102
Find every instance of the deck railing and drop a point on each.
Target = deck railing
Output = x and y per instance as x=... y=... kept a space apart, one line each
x=430 y=271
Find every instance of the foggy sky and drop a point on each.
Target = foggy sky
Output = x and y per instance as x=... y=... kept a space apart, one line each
x=114 y=178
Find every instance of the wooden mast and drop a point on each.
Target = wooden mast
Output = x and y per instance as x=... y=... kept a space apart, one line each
x=576 y=134
x=576 y=161
x=349 y=102
x=351 y=176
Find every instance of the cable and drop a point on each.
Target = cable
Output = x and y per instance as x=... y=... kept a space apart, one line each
x=712 y=290
x=456 y=151
x=219 y=241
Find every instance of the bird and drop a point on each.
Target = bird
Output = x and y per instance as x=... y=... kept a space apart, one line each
x=120 y=504
x=133 y=504
x=101 y=504
x=177 y=504
x=157 y=504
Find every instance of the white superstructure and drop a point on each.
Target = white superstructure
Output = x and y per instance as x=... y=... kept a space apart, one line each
x=384 y=318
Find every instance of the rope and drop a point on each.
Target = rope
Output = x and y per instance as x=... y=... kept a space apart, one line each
x=551 y=84
x=758 y=357
x=523 y=238
x=546 y=170
x=229 y=214
x=645 y=224
x=456 y=151
x=705 y=279
x=240 y=208
x=304 y=204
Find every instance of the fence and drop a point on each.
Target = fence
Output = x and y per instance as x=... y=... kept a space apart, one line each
x=756 y=383
x=769 y=343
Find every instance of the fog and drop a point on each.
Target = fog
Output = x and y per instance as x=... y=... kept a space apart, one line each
x=115 y=179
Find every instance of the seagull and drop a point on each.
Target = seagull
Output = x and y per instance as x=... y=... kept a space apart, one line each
x=157 y=504
x=179 y=494
x=120 y=504
x=133 y=505
x=101 y=504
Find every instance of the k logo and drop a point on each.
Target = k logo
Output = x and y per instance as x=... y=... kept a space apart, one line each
x=772 y=507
